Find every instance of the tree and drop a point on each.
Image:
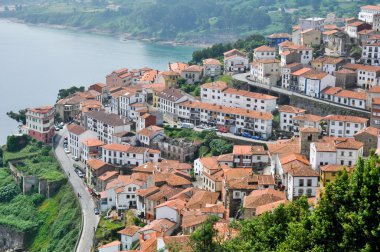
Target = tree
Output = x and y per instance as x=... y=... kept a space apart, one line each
x=220 y=146
x=20 y=117
x=203 y=239
x=16 y=143
x=8 y=192
x=63 y=93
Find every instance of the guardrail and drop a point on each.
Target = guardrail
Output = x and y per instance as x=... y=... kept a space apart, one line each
x=82 y=215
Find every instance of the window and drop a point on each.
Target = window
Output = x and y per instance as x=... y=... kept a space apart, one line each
x=300 y=183
x=349 y=163
x=309 y=182
x=342 y=153
x=341 y=162
x=300 y=191
x=129 y=189
x=308 y=192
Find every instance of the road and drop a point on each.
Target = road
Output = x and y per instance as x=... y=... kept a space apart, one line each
x=243 y=77
x=90 y=220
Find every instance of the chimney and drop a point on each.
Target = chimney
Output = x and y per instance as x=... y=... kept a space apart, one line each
x=220 y=106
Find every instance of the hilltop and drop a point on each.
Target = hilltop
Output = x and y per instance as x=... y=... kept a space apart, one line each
x=203 y=21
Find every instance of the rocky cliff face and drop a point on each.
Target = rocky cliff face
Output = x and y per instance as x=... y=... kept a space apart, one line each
x=11 y=240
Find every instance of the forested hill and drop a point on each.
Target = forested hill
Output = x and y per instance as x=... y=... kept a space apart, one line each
x=182 y=20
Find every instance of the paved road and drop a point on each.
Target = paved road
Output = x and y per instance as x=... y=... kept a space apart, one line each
x=232 y=136
x=243 y=77
x=90 y=220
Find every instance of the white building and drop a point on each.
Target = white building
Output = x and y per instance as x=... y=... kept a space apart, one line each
x=349 y=98
x=266 y=71
x=233 y=119
x=371 y=52
x=147 y=134
x=170 y=210
x=235 y=61
x=110 y=247
x=344 y=126
x=367 y=12
x=286 y=71
x=264 y=52
x=314 y=23
x=105 y=125
x=40 y=123
x=287 y=113
x=77 y=135
x=212 y=67
x=341 y=151
x=368 y=76
x=168 y=100
x=219 y=93
x=126 y=155
x=313 y=82
x=305 y=51
x=128 y=236
x=129 y=98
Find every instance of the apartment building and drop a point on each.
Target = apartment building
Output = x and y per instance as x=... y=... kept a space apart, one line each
x=286 y=71
x=305 y=51
x=367 y=13
x=350 y=98
x=371 y=52
x=121 y=77
x=264 y=52
x=219 y=93
x=313 y=82
x=287 y=113
x=129 y=98
x=169 y=99
x=40 y=123
x=266 y=71
x=212 y=67
x=344 y=126
x=235 y=61
x=105 y=125
x=255 y=157
x=77 y=135
x=234 y=119
x=368 y=76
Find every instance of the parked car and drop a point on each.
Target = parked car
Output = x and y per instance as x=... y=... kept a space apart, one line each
x=67 y=151
x=80 y=174
x=237 y=134
x=96 y=211
x=76 y=167
x=75 y=158
x=57 y=128
x=211 y=128
x=186 y=125
x=246 y=134
x=223 y=130
x=255 y=137
x=65 y=138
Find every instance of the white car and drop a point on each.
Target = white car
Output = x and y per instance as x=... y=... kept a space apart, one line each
x=67 y=151
x=75 y=158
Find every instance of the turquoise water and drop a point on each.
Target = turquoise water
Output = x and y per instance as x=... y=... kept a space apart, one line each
x=36 y=62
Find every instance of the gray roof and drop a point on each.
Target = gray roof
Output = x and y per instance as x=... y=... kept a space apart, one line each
x=171 y=94
x=109 y=119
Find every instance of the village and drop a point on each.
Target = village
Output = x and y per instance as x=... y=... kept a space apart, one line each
x=140 y=144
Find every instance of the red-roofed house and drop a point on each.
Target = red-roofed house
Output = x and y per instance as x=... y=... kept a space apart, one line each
x=120 y=77
x=212 y=67
x=287 y=113
x=264 y=52
x=255 y=157
x=235 y=61
x=313 y=82
x=367 y=13
x=128 y=236
x=344 y=126
x=40 y=123
x=110 y=247
x=170 y=210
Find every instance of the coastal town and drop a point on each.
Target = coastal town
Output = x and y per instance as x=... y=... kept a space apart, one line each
x=159 y=161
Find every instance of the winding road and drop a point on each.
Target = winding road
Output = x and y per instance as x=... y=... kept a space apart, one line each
x=90 y=220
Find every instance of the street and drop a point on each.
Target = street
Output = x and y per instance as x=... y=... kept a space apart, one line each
x=87 y=204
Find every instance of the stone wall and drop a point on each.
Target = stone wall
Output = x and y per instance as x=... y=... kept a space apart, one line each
x=11 y=240
x=322 y=109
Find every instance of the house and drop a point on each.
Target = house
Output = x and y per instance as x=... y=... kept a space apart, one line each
x=280 y=148
x=127 y=155
x=277 y=38
x=120 y=77
x=306 y=121
x=345 y=78
x=237 y=183
x=315 y=23
x=178 y=149
x=76 y=135
x=296 y=35
x=129 y=98
x=121 y=192
x=372 y=93
x=369 y=137
x=145 y=120
x=178 y=67
x=313 y=82
x=94 y=169
x=375 y=113
x=68 y=108
x=371 y=52
x=160 y=227
x=289 y=57
x=128 y=236
x=346 y=97
x=376 y=22
x=91 y=149
x=264 y=52
x=212 y=67
x=330 y=172
x=295 y=77
x=203 y=163
x=287 y=113
x=180 y=242
x=259 y=199
x=147 y=134
x=235 y=61
x=344 y=126
x=305 y=51
x=286 y=72
x=311 y=37
x=333 y=150
x=219 y=93
x=170 y=210
x=40 y=123
x=168 y=100
x=168 y=78
x=353 y=29
x=192 y=74
x=254 y=157
x=266 y=71
x=201 y=198
x=338 y=43
x=232 y=119
x=100 y=88
x=367 y=13
x=300 y=179
x=105 y=125
x=328 y=64
x=110 y=247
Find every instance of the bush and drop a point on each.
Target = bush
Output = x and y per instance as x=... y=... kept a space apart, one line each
x=16 y=143
x=8 y=192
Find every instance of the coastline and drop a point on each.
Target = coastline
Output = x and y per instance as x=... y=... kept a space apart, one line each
x=119 y=36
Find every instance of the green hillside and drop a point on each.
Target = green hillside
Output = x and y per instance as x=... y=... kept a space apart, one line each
x=203 y=20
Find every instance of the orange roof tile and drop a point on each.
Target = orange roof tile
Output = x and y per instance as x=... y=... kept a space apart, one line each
x=150 y=131
x=96 y=164
x=301 y=71
x=201 y=198
x=111 y=244
x=176 y=204
x=264 y=48
x=211 y=62
x=129 y=231
x=107 y=175
x=92 y=142
x=343 y=118
x=157 y=225
x=248 y=150
x=369 y=130
x=217 y=85
x=291 y=109
x=308 y=117
x=334 y=168
x=352 y=94
x=269 y=207
x=117 y=147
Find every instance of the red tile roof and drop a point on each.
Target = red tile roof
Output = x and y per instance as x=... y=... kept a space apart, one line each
x=343 y=118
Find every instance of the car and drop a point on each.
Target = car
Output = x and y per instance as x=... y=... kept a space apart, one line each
x=65 y=138
x=65 y=141
x=67 y=151
x=75 y=158
x=211 y=128
x=255 y=137
x=223 y=130
x=80 y=174
x=76 y=166
x=57 y=128
x=246 y=134
x=61 y=124
x=237 y=134
x=96 y=211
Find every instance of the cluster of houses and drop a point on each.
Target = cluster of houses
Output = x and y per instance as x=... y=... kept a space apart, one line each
x=116 y=130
